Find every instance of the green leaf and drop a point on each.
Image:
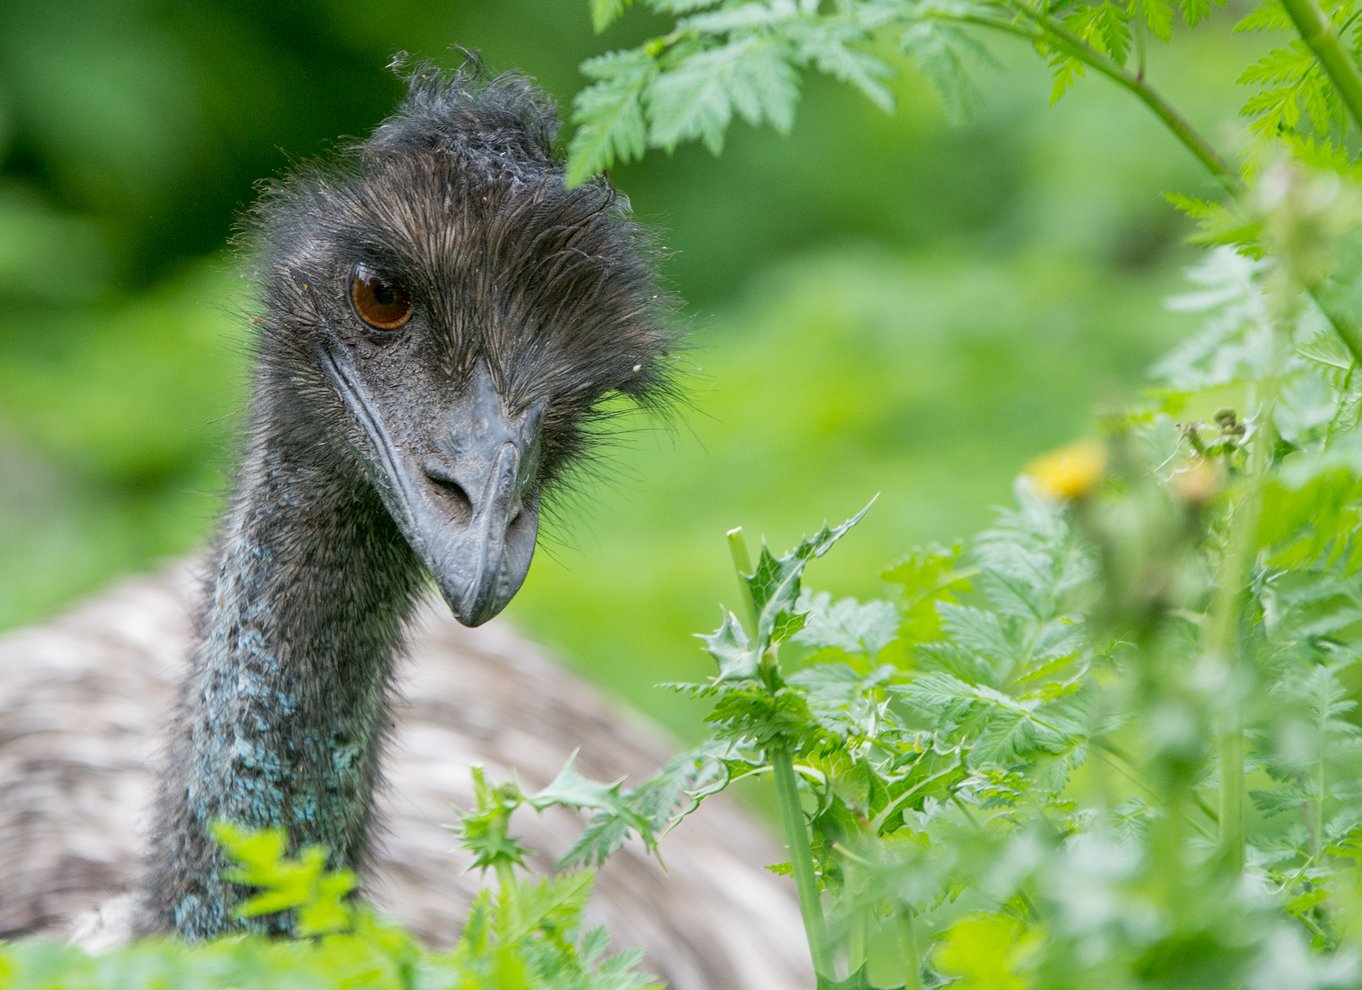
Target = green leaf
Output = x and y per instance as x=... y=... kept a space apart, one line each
x=1269 y=15
x=696 y=97
x=302 y=884
x=1158 y=17
x=943 y=53
x=866 y=72
x=861 y=628
x=731 y=650
x=570 y=789
x=774 y=586
x=1196 y=11
x=926 y=576
x=609 y=113
x=606 y=12
x=986 y=952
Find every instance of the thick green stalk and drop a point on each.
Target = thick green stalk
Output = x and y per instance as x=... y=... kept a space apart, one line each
x=801 y=862
x=911 y=957
x=1319 y=36
x=787 y=793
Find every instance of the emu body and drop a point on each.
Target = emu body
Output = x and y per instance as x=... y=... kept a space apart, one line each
x=441 y=319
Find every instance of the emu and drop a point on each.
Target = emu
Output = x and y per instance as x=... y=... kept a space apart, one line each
x=442 y=324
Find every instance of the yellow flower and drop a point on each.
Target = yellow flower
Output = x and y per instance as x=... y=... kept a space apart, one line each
x=1070 y=472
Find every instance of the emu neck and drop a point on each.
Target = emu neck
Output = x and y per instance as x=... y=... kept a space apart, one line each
x=284 y=709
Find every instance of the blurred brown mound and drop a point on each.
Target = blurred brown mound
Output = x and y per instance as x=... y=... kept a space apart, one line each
x=83 y=699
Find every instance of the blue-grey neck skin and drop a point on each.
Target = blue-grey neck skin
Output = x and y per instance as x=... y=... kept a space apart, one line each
x=283 y=711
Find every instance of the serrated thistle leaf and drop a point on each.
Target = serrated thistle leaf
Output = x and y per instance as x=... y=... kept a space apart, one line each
x=571 y=789
x=731 y=650
x=774 y=586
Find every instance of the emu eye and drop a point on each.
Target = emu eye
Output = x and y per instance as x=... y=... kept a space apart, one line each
x=379 y=301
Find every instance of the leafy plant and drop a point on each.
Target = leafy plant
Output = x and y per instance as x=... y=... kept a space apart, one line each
x=1117 y=743
x=525 y=936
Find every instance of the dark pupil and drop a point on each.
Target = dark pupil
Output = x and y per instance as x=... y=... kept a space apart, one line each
x=383 y=292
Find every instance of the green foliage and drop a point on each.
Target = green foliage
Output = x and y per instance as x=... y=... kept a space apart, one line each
x=1119 y=746
x=741 y=58
x=526 y=936
x=302 y=885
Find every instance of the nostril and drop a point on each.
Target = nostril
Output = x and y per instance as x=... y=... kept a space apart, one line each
x=447 y=485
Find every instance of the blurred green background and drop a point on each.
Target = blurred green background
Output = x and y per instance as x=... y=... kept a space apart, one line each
x=880 y=304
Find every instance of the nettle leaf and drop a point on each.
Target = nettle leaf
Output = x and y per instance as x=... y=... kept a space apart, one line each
x=609 y=113
x=774 y=586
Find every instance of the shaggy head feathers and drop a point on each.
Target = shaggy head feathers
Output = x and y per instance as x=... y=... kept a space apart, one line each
x=460 y=198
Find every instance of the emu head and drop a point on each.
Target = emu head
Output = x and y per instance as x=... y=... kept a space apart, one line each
x=444 y=319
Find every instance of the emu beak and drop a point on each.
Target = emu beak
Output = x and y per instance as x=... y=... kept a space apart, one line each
x=469 y=507
x=474 y=509
x=477 y=509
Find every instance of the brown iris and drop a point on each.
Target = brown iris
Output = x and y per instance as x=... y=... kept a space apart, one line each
x=378 y=300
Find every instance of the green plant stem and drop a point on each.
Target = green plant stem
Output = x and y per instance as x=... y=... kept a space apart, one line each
x=1223 y=649
x=1223 y=644
x=1319 y=36
x=787 y=792
x=1040 y=28
x=1044 y=29
x=1121 y=762
x=801 y=861
x=742 y=563
x=912 y=958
